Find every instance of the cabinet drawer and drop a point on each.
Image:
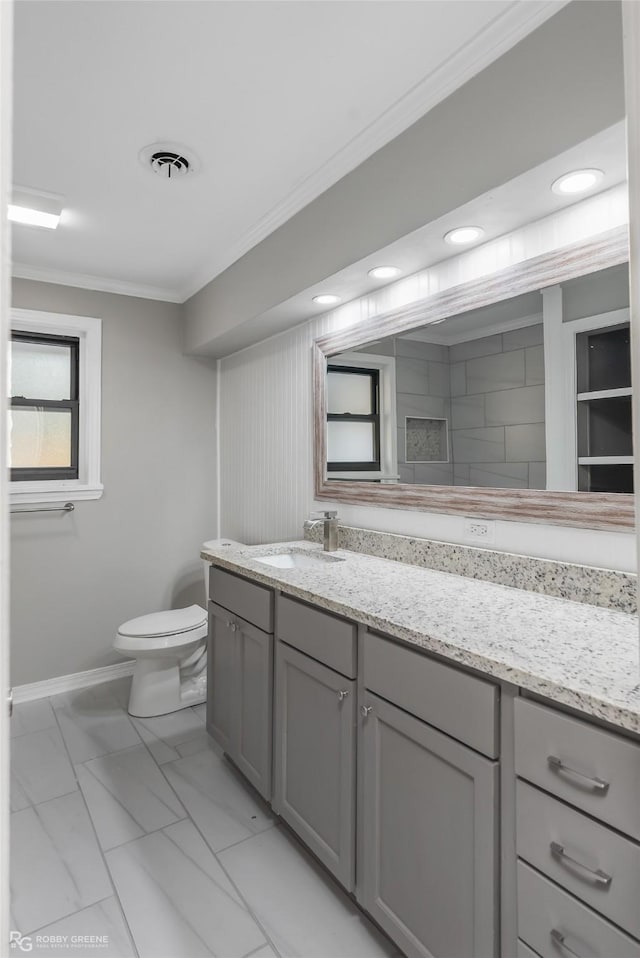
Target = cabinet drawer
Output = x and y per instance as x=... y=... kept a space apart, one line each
x=250 y=601
x=548 y=831
x=325 y=637
x=546 y=911
x=596 y=770
x=459 y=704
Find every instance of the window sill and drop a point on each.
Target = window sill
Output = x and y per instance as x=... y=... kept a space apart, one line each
x=62 y=491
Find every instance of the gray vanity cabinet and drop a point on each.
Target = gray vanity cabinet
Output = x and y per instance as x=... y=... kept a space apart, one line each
x=429 y=869
x=314 y=746
x=240 y=695
x=578 y=884
x=221 y=670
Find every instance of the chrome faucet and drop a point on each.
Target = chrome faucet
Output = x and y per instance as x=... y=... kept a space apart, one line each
x=330 y=520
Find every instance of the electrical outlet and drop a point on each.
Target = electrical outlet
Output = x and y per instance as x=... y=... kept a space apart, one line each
x=480 y=531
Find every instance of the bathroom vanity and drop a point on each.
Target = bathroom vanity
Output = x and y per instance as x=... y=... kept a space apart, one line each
x=463 y=757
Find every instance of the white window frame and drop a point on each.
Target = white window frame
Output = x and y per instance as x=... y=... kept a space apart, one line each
x=386 y=366
x=88 y=331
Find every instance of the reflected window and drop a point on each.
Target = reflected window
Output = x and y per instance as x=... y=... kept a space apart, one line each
x=353 y=419
x=44 y=412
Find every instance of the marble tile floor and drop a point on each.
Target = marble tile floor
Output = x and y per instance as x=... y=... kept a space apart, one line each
x=138 y=834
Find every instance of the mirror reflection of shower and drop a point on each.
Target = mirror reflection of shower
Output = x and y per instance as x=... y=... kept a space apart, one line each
x=463 y=402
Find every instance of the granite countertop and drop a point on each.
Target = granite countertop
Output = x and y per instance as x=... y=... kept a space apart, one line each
x=575 y=654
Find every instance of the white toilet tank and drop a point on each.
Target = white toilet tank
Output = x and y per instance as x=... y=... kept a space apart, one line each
x=214 y=544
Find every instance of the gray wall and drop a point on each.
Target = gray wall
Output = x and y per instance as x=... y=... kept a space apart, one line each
x=76 y=578
x=422 y=390
x=497 y=410
x=560 y=85
x=596 y=293
x=490 y=391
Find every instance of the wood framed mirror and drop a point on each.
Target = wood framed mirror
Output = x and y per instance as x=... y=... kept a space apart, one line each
x=581 y=429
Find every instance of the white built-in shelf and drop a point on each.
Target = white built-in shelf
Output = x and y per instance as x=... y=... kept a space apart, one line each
x=605 y=394
x=605 y=460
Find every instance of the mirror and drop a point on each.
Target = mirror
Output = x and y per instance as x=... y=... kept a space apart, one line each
x=517 y=385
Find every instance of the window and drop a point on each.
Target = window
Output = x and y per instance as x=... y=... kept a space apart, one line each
x=353 y=419
x=362 y=429
x=43 y=424
x=54 y=379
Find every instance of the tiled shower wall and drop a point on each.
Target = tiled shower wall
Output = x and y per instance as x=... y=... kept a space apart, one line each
x=422 y=390
x=490 y=391
x=497 y=410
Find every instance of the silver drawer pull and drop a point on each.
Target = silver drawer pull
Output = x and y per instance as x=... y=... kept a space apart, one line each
x=232 y=625
x=558 y=939
x=596 y=784
x=342 y=694
x=599 y=877
x=365 y=709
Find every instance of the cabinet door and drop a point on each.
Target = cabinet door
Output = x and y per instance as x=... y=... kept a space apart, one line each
x=429 y=841
x=315 y=758
x=221 y=677
x=252 y=733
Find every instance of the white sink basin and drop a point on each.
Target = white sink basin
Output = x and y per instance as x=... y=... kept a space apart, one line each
x=297 y=560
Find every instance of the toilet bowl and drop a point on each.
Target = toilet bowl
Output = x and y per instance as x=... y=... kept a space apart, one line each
x=171 y=659
x=170 y=652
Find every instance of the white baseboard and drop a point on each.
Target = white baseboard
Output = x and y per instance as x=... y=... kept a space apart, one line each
x=67 y=683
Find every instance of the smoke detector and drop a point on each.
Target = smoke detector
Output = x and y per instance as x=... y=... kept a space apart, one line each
x=171 y=161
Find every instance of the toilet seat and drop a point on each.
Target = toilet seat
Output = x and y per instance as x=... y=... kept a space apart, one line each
x=172 y=622
x=162 y=630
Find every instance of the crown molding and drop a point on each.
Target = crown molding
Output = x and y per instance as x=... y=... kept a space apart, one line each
x=100 y=284
x=504 y=31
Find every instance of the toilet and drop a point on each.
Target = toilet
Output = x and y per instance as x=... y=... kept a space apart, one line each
x=170 y=652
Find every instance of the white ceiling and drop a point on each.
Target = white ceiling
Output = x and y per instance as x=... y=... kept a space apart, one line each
x=278 y=100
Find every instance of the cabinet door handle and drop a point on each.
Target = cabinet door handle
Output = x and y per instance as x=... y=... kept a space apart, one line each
x=365 y=709
x=232 y=625
x=558 y=938
x=599 y=877
x=342 y=694
x=596 y=784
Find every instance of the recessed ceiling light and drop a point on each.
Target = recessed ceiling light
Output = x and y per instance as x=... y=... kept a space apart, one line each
x=33 y=208
x=463 y=235
x=384 y=272
x=578 y=181
x=326 y=299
